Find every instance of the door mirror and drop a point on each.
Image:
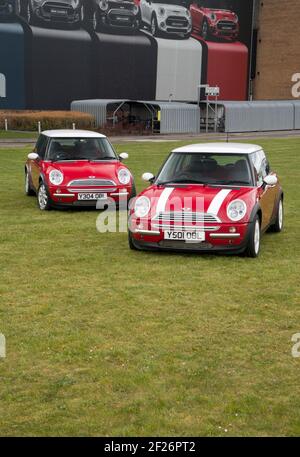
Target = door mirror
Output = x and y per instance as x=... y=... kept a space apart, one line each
x=271 y=180
x=123 y=156
x=33 y=156
x=148 y=177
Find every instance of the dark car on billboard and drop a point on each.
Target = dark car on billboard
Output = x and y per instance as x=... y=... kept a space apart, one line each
x=9 y=8
x=114 y=15
x=214 y=19
x=38 y=12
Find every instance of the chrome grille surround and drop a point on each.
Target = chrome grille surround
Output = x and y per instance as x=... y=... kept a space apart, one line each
x=91 y=183
x=186 y=216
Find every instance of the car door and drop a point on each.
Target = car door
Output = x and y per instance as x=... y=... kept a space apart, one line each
x=35 y=165
x=267 y=194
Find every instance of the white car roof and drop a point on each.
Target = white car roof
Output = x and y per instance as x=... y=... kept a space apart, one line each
x=72 y=134
x=220 y=148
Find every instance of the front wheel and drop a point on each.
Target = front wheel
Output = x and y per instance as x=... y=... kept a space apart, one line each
x=205 y=30
x=44 y=202
x=28 y=189
x=130 y=242
x=154 y=26
x=277 y=227
x=253 y=247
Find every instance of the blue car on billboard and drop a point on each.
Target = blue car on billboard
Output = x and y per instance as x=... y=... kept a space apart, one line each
x=9 y=8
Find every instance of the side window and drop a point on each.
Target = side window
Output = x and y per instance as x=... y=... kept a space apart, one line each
x=261 y=166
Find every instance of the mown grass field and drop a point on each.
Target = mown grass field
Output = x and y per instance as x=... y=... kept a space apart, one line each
x=102 y=340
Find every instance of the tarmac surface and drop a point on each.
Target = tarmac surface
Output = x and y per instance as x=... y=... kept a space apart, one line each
x=24 y=142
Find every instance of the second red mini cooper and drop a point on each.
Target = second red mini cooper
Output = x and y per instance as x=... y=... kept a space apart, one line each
x=208 y=197
x=76 y=168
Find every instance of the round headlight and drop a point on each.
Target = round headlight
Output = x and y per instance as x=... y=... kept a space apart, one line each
x=103 y=5
x=142 y=206
x=236 y=210
x=124 y=176
x=135 y=9
x=212 y=16
x=56 y=177
x=161 y=11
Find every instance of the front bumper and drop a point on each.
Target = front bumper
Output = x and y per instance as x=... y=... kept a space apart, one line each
x=119 y=19
x=222 y=240
x=64 y=196
x=175 y=25
x=66 y=15
x=220 y=31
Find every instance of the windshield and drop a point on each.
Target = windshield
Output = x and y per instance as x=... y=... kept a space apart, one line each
x=216 y=4
x=205 y=168
x=93 y=149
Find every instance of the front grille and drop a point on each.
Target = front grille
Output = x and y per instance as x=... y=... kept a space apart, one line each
x=177 y=21
x=186 y=216
x=121 y=17
x=91 y=182
x=60 y=8
x=226 y=25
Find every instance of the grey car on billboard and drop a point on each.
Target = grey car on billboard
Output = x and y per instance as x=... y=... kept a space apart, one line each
x=48 y=12
x=114 y=15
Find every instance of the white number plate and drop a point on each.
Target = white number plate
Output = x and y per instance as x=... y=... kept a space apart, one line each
x=89 y=196
x=184 y=236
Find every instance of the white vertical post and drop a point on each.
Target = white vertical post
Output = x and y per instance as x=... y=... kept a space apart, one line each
x=6 y=124
x=39 y=127
x=74 y=126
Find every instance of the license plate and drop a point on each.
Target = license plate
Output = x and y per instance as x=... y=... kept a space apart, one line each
x=184 y=236
x=97 y=196
x=59 y=12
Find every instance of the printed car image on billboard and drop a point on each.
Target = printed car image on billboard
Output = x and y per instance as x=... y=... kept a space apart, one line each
x=146 y=49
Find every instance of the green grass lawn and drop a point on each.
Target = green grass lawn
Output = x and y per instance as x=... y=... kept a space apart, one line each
x=12 y=135
x=102 y=340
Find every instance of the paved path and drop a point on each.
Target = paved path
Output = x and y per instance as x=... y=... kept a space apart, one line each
x=24 y=142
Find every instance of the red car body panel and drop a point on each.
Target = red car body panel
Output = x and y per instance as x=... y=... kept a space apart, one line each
x=224 y=24
x=226 y=65
x=266 y=199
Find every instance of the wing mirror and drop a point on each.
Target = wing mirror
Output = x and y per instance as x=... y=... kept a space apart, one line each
x=271 y=180
x=147 y=177
x=123 y=156
x=33 y=156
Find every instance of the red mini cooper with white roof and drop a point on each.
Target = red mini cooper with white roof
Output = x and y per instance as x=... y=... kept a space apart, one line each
x=76 y=168
x=215 y=197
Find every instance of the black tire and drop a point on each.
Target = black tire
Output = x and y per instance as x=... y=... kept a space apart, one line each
x=43 y=198
x=130 y=242
x=28 y=188
x=30 y=15
x=277 y=227
x=154 y=26
x=205 y=30
x=18 y=8
x=253 y=247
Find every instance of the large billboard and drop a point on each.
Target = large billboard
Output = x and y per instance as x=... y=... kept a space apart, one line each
x=55 y=51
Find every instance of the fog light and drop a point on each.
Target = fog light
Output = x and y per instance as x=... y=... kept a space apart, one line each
x=232 y=230
x=141 y=226
x=58 y=191
x=162 y=24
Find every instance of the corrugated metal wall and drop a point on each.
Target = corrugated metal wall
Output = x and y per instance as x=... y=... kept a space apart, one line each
x=259 y=116
x=179 y=118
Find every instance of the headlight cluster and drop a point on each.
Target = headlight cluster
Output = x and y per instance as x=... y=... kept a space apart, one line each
x=142 y=206
x=161 y=11
x=124 y=176
x=212 y=16
x=135 y=9
x=236 y=210
x=56 y=177
x=236 y=18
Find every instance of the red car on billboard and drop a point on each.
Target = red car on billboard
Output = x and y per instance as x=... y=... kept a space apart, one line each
x=208 y=198
x=211 y=19
x=76 y=168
